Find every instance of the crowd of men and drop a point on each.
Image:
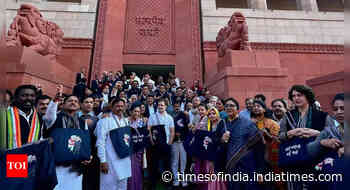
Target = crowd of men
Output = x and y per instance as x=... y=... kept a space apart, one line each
x=243 y=140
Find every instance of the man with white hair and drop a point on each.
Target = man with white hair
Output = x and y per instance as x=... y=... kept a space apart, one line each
x=212 y=101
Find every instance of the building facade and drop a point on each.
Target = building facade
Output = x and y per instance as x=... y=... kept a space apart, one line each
x=297 y=40
x=307 y=37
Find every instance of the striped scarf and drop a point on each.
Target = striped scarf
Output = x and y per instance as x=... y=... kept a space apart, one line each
x=14 y=128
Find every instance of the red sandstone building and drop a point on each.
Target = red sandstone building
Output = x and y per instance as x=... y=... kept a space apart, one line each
x=292 y=41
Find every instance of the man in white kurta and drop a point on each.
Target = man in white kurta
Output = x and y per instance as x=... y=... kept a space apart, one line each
x=114 y=171
x=67 y=177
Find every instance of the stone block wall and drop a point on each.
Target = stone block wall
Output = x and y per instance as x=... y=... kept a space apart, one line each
x=305 y=26
x=77 y=20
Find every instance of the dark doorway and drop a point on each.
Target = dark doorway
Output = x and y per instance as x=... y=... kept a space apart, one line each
x=232 y=4
x=282 y=5
x=154 y=70
x=330 y=5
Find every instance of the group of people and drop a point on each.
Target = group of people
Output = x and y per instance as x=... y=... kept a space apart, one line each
x=193 y=118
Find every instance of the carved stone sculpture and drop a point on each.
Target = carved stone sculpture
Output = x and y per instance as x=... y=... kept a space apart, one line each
x=233 y=36
x=31 y=30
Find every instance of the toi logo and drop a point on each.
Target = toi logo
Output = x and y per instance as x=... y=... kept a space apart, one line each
x=17 y=165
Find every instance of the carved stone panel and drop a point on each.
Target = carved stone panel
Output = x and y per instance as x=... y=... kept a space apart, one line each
x=149 y=27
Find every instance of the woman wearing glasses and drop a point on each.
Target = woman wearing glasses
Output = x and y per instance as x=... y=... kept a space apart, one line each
x=203 y=132
x=244 y=148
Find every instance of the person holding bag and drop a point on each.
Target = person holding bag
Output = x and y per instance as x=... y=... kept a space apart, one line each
x=115 y=163
x=298 y=128
x=205 y=150
x=72 y=146
x=162 y=129
x=139 y=137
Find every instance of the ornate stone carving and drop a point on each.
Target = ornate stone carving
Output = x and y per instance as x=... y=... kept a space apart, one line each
x=31 y=30
x=233 y=36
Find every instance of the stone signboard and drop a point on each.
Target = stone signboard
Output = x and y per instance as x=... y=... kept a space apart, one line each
x=149 y=27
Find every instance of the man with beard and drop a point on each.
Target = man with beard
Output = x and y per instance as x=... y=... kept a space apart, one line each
x=144 y=93
x=178 y=94
x=194 y=114
x=151 y=107
x=160 y=160
x=134 y=89
x=42 y=102
x=162 y=92
x=68 y=175
x=23 y=125
x=189 y=95
x=247 y=112
x=279 y=108
x=115 y=171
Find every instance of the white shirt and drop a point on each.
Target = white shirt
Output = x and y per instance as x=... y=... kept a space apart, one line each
x=194 y=118
x=164 y=119
x=149 y=81
x=27 y=117
x=105 y=100
x=102 y=132
x=121 y=168
x=137 y=79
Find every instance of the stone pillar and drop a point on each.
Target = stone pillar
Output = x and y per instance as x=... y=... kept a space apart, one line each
x=257 y=4
x=2 y=18
x=307 y=5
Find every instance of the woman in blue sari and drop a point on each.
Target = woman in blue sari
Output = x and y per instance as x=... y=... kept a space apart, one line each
x=244 y=148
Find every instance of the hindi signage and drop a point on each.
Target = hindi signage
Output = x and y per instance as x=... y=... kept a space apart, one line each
x=149 y=27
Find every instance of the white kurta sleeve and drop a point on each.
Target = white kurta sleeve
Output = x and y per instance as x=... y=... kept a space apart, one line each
x=101 y=134
x=51 y=114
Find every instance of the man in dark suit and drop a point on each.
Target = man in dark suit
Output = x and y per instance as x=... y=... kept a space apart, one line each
x=151 y=106
x=79 y=89
x=81 y=75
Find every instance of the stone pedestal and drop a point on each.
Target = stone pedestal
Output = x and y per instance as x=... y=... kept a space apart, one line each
x=22 y=65
x=244 y=74
x=326 y=87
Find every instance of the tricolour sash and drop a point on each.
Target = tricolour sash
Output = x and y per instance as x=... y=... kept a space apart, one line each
x=14 y=128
